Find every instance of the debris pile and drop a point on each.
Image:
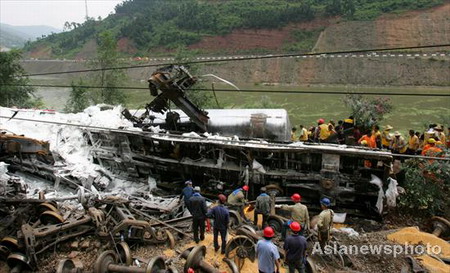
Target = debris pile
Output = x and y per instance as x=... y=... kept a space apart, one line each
x=431 y=261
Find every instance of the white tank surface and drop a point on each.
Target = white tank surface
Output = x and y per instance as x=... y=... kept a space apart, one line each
x=268 y=124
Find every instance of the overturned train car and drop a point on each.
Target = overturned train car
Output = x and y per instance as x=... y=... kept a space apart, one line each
x=221 y=165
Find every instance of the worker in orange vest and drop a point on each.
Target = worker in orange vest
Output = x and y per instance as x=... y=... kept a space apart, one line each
x=370 y=139
x=431 y=150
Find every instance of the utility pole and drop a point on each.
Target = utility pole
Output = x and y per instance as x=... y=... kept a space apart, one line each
x=87 y=15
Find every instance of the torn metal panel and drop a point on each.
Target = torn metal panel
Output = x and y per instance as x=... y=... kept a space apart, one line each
x=15 y=144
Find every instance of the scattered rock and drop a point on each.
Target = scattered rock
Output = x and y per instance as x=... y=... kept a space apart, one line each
x=73 y=254
x=97 y=244
x=85 y=244
x=74 y=245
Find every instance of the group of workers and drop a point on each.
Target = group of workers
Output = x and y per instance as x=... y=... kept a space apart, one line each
x=323 y=132
x=429 y=143
x=267 y=252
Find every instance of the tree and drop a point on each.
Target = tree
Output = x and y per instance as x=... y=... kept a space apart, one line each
x=333 y=7
x=67 y=26
x=367 y=112
x=79 y=99
x=109 y=80
x=348 y=8
x=13 y=84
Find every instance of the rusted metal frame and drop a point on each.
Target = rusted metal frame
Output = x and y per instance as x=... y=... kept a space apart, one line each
x=83 y=230
x=173 y=221
x=145 y=215
x=48 y=230
x=135 y=228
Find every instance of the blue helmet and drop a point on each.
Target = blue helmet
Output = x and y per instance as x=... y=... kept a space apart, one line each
x=325 y=201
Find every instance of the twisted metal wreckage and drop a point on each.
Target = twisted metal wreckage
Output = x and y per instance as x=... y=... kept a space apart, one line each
x=258 y=154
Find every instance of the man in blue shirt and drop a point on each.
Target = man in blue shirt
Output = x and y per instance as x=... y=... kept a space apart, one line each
x=267 y=253
x=295 y=247
x=221 y=217
x=262 y=206
x=197 y=204
x=187 y=193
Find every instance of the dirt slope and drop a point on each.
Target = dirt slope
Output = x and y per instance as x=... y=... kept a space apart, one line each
x=409 y=29
x=260 y=39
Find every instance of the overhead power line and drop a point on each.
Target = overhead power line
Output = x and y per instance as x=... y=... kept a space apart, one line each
x=253 y=90
x=244 y=59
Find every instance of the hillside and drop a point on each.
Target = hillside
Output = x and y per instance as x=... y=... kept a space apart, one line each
x=10 y=40
x=17 y=36
x=247 y=26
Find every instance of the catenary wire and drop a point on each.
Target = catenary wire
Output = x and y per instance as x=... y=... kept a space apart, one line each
x=164 y=134
x=244 y=59
x=251 y=90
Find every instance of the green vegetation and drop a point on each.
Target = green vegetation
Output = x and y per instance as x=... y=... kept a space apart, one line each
x=158 y=24
x=13 y=89
x=79 y=98
x=107 y=56
x=303 y=40
x=427 y=185
x=109 y=80
x=367 y=112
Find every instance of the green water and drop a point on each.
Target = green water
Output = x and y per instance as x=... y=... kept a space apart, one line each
x=408 y=112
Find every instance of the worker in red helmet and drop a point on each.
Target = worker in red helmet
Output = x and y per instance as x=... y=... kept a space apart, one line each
x=221 y=217
x=237 y=197
x=295 y=249
x=236 y=200
x=267 y=253
x=322 y=131
x=299 y=213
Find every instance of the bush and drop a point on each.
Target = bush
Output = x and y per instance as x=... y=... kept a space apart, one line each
x=367 y=112
x=427 y=185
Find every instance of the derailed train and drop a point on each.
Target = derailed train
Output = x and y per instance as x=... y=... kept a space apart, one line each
x=242 y=146
x=219 y=165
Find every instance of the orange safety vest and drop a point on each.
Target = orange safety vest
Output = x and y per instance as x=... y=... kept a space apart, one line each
x=432 y=151
x=425 y=148
x=371 y=141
